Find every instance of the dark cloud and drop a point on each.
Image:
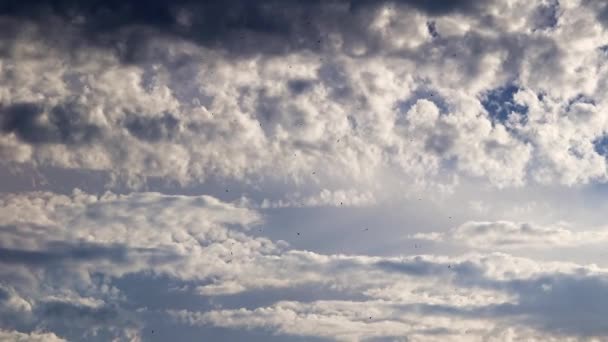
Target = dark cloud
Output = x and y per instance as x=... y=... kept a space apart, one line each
x=62 y=252
x=431 y=7
x=299 y=86
x=237 y=26
x=152 y=129
x=59 y=252
x=65 y=124
x=73 y=311
x=432 y=28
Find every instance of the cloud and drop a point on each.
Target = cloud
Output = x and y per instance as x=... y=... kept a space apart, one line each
x=254 y=123
x=335 y=92
x=204 y=245
x=153 y=129
x=237 y=26
x=63 y=125
x=539 y=311
x=69 y=242
x=508 y=235
x=17 y=336
x=328 y=198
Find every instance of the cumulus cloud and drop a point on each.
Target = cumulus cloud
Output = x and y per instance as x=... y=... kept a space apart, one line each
x=347 y=98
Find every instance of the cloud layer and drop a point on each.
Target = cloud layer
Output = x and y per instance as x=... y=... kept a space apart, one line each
x=348 y=170
x=60 y=278
x=506 y=235
x=512 y=99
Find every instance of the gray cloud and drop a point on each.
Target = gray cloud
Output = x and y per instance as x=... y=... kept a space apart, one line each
x=65 y=124
x=299 y=86
x=237 y=26
x=153 y=129
x=60 y=252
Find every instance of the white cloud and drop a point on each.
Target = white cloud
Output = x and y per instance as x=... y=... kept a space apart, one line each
x=338 y=198
x=282 y=117
x=508 y=235
x=32 y=337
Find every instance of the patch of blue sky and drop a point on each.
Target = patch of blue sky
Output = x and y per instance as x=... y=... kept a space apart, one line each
x=500 y=103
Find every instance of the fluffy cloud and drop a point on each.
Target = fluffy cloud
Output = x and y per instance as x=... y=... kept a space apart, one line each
x=348 y=100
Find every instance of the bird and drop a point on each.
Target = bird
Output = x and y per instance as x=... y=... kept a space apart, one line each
x=298 y=233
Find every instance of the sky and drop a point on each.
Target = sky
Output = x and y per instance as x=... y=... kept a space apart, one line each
x=341 y=170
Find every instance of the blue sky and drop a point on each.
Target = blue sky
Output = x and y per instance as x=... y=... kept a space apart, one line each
x=303 y=171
